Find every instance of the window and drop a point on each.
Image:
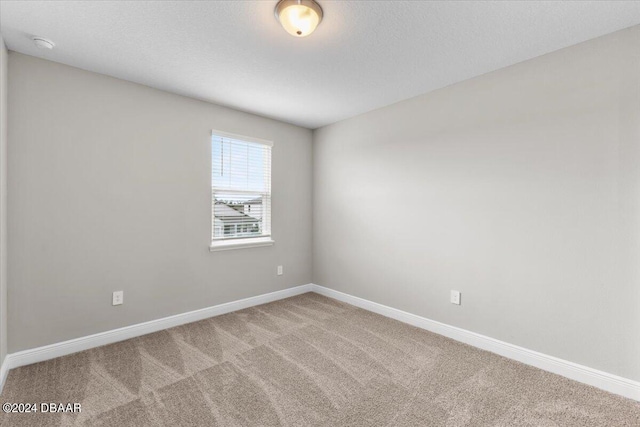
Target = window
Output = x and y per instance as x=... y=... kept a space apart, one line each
x=240 y=191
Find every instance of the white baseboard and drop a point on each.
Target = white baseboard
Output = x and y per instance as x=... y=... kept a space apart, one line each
x=603 y=380
x=593 y=377
x=39 y=354
x=4 y=371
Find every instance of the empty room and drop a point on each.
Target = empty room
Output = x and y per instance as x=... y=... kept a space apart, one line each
x=320 y=213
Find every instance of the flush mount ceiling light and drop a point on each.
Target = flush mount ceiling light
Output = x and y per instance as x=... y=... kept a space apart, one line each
x=43 y=43
x=298 y=17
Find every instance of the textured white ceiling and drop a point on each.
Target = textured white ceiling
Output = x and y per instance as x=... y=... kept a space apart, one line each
x=364 y=55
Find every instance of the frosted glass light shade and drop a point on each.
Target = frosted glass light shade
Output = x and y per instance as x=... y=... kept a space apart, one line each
x=299 y=17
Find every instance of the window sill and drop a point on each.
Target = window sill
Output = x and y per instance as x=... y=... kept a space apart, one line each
x=226 y=245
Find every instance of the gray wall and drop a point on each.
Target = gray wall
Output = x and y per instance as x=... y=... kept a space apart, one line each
x=109 y=189
x=3 y=199
x=519 y=188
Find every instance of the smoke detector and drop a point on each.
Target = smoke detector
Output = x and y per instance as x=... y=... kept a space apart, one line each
x=43 y=43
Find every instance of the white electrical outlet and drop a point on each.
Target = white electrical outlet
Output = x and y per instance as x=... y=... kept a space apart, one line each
x=118 y=298
x=280 y=270
x=455 y=297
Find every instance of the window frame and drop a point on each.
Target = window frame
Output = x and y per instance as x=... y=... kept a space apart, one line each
x=242 y=241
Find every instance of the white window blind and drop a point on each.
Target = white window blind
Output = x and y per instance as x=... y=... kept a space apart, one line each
x=240 y=187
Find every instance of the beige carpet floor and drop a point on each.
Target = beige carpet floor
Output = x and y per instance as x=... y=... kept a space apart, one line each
x=304 y=361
